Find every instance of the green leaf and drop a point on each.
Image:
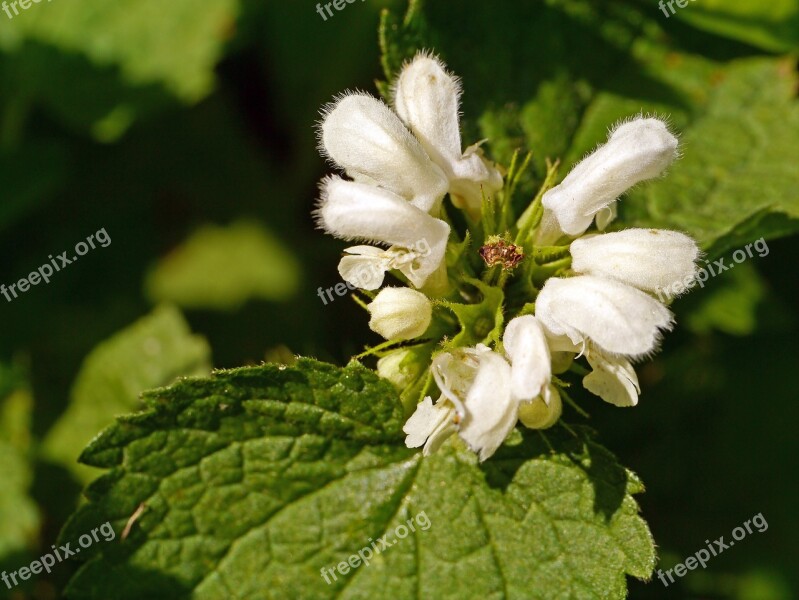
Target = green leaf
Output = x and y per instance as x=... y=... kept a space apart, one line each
x=222 y=267
x=100 y=65
x=19 y=516
x=249 y=483
x=769 y=25
x=737 y=179
x=152 y=352
x=175 y=44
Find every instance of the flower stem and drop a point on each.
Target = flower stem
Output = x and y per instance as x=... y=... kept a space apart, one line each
x=532 y=215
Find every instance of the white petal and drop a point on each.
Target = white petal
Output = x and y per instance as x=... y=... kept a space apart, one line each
x=619 y=318
x=548 y=231
x=649 y=259
x=399 y=313
x=427 y=98
x=562 y=351
x=537 y=414
x=526 y=346
x=476 y=381
x=355 y=210
x=472 y=177
x=491 y=412
x=635 y=151
x=365 y=251
x=365 y=269
x=362 y=135
x=429 y=425
x=613 y=379
x=454 y=376
x=607 y=215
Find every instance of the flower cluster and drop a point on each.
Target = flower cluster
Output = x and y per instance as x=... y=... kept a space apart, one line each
x=402 y=164
x=493 y=337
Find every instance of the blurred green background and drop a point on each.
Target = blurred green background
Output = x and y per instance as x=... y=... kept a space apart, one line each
x=186 y=131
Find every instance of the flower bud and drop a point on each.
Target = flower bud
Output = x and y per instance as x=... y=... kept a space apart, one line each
x=401 y=367
x=400 y=313
x=540 y=415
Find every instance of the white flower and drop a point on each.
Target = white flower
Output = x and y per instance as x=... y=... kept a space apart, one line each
x=637 y=150
x=352 y=210
x=531 y=365
x=476 y=397
x=538 y=414
x=620 y=319
x=365 y=266
x=430 y=425
x=613 y=378
x=649 y=259
x=367 y=139
x=427 y=99
x=400 y=313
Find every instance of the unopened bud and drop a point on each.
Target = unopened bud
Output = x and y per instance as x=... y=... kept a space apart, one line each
x=540 y=415
x=400 y=313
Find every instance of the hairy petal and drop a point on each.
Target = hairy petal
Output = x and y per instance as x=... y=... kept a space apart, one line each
x=427 y=99
x=352 y=210
x=649 y=259
x=637 y=150
x=366 y=138
x=619 y=318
